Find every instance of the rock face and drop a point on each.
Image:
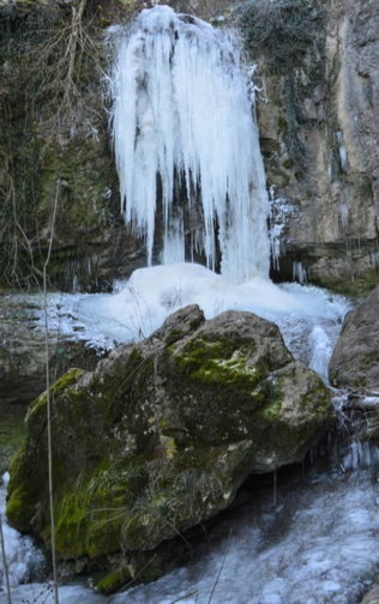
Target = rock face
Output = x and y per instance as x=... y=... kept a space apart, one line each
x=372 y=597
x=161 y=435
x=318 y=118
x=55 y=149
x=355 y=360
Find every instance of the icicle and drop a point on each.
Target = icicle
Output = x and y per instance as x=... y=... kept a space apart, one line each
x=182 y=117
x=361 y=454
x=299 y=272
x=280 y=211
x=341 y=151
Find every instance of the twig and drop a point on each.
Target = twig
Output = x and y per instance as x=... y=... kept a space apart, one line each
x=217 y=580
x=7 y=583
x=189 y=595
x=49 y=440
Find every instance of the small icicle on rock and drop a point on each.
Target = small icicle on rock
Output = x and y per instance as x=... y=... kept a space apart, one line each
x=186 y=144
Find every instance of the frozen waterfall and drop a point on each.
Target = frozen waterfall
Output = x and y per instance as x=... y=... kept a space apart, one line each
x=186 y=144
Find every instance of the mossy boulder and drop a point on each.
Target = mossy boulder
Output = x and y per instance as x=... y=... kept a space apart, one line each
x=162 y=434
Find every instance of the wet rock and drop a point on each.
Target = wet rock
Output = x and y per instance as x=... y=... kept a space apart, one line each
x=23 y=353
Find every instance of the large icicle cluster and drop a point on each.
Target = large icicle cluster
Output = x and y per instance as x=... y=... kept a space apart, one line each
x=186 y=144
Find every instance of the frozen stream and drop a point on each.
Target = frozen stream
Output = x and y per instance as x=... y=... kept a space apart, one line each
x=317 y=546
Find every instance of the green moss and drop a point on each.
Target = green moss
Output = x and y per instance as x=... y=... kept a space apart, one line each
x=65 y=381
x=19 y=509
x=23 y=488
x=113 y=581
x=282 y=124
x=371 y=358
x=71 y=524
x=36 y=416
x=223 y=363
x=89 y=517
x=273 y=406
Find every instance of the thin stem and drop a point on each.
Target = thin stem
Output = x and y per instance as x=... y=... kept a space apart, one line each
x=217 y=580
x=7 y=583
x=49 y=439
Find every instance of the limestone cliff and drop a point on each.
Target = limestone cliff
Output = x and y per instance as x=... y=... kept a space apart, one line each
x=318 y=117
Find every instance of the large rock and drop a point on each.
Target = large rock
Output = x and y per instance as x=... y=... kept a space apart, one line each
x=355 y=360
x=161 y=435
